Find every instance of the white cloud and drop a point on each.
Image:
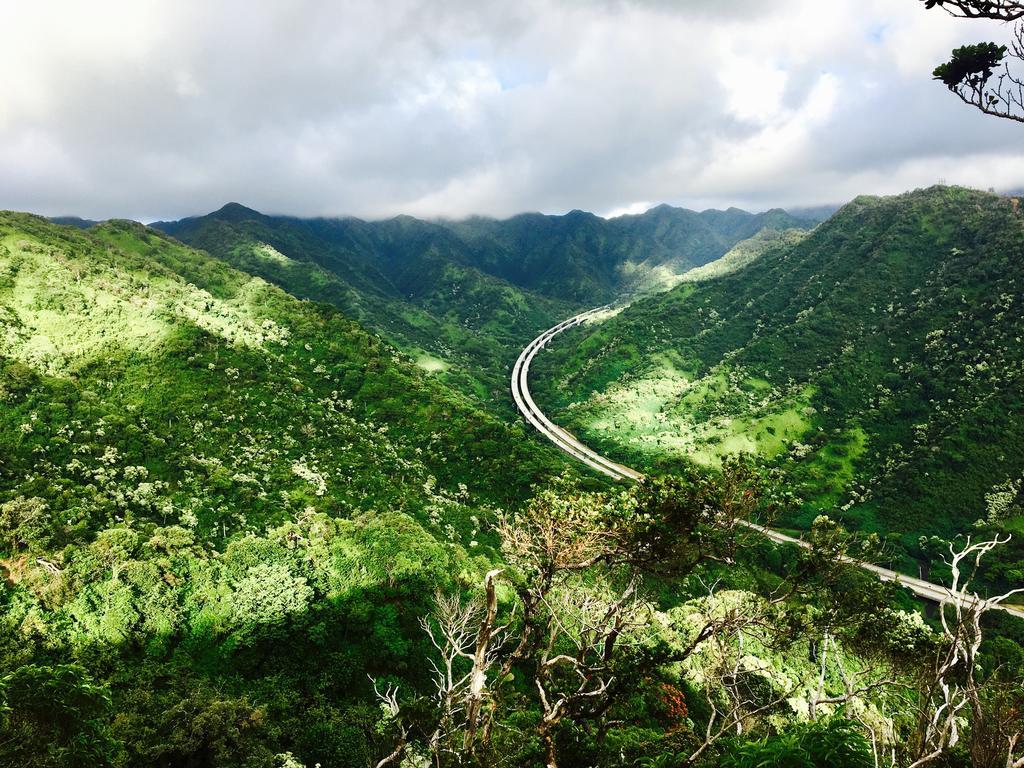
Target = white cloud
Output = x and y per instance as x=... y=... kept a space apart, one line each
x=753 y=89
x=449 y=107
x=632 y=209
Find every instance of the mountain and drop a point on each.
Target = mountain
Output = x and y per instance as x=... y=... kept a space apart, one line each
x=73 y=221
x=143 y=379
x=878 y=360
x=591 y=260
x=404 y=278
x=464 y=297
x=743 y=253
x=228 y=514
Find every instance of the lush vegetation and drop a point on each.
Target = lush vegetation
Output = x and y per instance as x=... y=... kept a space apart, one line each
x=878 y=361
x=239 y=529
x=590 y=260
x=399 y=278
x=168 y=425
x=463 y=298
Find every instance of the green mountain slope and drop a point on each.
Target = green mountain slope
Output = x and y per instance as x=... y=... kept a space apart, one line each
x=464 y=297
x=399 y=278
x=879 y=361
x=144 y=380
x=592 y=260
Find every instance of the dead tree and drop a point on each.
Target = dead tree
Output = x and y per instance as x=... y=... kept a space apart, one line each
x=576 y=674
x=730 y=701
x=576 y=623
x=467 y=642
x=856 y=684
x=389 y=703
x=951 y=689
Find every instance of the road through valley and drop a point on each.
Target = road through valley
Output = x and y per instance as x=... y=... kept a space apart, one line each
x=570 y=445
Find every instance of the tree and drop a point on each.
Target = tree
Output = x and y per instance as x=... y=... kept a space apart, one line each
x=54 y=716
x=576 y=633
x=950 y=689
x=980 y=74
x=1001 y=10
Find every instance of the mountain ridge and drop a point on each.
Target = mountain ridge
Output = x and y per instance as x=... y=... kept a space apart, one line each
x=467 y=294
x=866 y=355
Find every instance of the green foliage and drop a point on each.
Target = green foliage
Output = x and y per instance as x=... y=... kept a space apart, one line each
x=224 y=508
x=133 y=395
x=227 y=504
x=267 y=595
x=54 y=716
x=409 y=280
x=970 y=64
x=833 y=743
x=884 y=349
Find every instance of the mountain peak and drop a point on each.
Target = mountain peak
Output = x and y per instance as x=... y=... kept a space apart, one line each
x=236 y=212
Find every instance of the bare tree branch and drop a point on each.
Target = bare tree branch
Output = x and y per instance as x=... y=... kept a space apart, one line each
x=1000 y=10
x=952 y=686
x=389 y=699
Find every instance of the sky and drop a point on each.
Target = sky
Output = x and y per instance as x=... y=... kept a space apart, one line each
x=445 y=108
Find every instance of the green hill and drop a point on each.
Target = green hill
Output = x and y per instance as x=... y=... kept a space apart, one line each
x=879 y=361
x=465 y=296
x=402 y=278
x=146 y=380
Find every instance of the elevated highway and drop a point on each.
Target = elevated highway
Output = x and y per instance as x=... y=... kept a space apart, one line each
x=568 y=443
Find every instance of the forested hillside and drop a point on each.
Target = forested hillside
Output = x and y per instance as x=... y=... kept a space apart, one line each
x=179 y=442
x=463 y=297
x=457 y=442
x=402 y=278
x=878 y=361
x=223 y=398
x=237 y=529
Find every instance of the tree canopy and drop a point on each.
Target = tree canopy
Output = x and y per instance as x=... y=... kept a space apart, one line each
x=982 y=74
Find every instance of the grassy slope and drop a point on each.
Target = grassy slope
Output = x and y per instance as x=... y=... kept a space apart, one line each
x=884 y=351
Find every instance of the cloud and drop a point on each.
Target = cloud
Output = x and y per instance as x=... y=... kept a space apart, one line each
x=160 y=109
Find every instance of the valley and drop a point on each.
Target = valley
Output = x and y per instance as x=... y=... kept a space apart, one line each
x=465 y=296
x=863 y=370
x=567 y=443
x=255 y=467
x=559 y=384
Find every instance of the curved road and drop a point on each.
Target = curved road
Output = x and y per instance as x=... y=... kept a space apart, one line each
x=565 y=441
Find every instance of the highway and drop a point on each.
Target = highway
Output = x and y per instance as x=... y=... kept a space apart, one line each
x=568 y=443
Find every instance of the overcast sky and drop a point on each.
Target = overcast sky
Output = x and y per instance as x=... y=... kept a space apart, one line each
x=152 y=110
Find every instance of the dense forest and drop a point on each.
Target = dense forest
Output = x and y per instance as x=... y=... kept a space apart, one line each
x=463 y=297
x=262 y=502
x=877 y=361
